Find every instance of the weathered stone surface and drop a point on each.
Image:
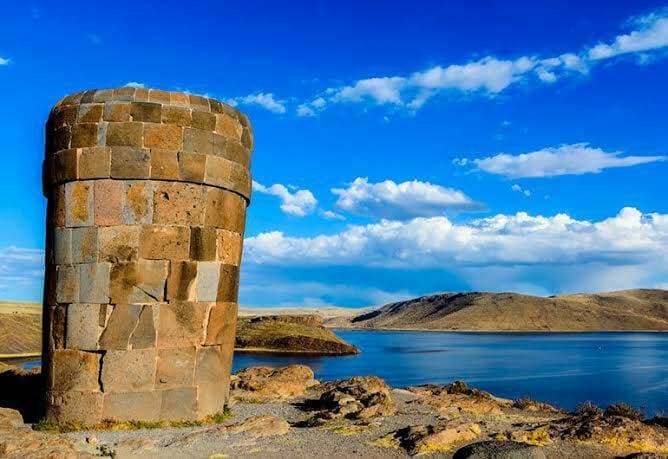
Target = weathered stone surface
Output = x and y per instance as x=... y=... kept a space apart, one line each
x=179 y=99
x=181 y=324
x=118 y=243
x=208 y=279
x=161 y=97
x=182 y=281
x=163 y=136
x=228 y=247
x=176 y=367
x=228 y=126
x=122 y=322
x=164 y=164
x=203 y=243
x=203 y=120
x=218 y=171
x=146 y=111
x=94 y=163
x=425 y=439
x=62 y=245
x=272 y=383
x=178 y=116
x=496 y=449
x=108 y=202
x=150 y=281
x=178 y=203
x=75 y=370
x=65 y=166
x=225 y=210
x=222 y=324
x=145 y=334
x=228 y=284
x=85 y=407
x=94 y=282
x=199 y=102
x=259 y=426
x=83 y=327
x=178 y=404
x=164 y=242
x=79 y=204
x=192 y=166
x=116 y=111
x=84 y=245
x=10 y=419
x=84 y=135
x=90 y=113
x=128 y=371
x=197 y=141
x=67 y=284
x=130 y=163
x=132 y=406
x=138 y=203
x=124 y=135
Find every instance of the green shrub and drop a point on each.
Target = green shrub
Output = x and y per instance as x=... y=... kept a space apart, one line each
x=624 y=410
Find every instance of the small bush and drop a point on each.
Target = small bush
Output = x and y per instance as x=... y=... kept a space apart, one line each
x=588 y=409
x=624 y=410
x=458 y=387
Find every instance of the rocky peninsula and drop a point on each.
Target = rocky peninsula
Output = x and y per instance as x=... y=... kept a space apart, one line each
x=286 y=412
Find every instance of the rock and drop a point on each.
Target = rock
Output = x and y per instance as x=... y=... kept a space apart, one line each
x=267 y=383
x=494 y=449
x=26 y=443
x=10 y=419
x=355 y=398
x=259 y=426
x=425 y=439
x=135 y=444
x=458 y=397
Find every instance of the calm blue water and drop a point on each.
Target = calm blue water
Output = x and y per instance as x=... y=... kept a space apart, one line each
x=563 y=369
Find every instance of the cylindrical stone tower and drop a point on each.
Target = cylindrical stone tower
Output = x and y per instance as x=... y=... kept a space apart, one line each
x=147 y=193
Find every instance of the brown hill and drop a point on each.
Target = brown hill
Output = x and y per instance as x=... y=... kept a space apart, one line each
x=20 y=328
x=642 y=309
x=289 y=333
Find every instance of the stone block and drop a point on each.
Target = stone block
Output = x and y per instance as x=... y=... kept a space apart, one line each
x=221 y=326
x=199 y=103
x=240 y=180
x=181 y=324
x=164 y=164
x=108 y=202
x=130 y=163
x=79 y=204
x=163 y=136
x=210 y=367
x=83 y=329
x=116 y=112
x=84 y=245
x=182 y=281
x=180 y=99
x=161 y=97
x=247 y=138
x=236 y=152
x=145 y=334
x=64 y=166
x=191 y=167
x=125 y=93
x=90 y=113
x=150 y=112
x=94 y=163
x=179 y=116
x=208 y=279
x=128 y=371
x=62 y=245
x=59 y=139
x=83 y=407
x=57 y=206
x=218 y=171
x=197 y=141
x=118 y=243
x=67 y=284
x=84 y=135
x=56 y=332
x=177 y=203
x=127 y=134
x=203 y=241
x=141 y=95
x=151 y=276
x=212 y=398
x=138 y=203
x=228 y=284
x=203 y=120
x=94 y=282
x=164 y=242
x=63 y=117
x=225 y=210
x=75 y=370
x=176 y=367
x=103 y=95
x=132 y=406
x=228 y=247
x=122 y=322
x=179 y=404
x=228 y=126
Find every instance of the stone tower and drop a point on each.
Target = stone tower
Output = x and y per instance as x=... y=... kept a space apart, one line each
x=147 y=194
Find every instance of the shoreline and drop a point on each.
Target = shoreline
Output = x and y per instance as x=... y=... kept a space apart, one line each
x=509 y=332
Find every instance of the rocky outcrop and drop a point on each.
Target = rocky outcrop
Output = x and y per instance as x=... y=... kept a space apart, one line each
x=20 y=441
x=303 y=333
x=259 y=426
x=495 y=449
x=267 y=383
x=425 y=439
x=458 y=397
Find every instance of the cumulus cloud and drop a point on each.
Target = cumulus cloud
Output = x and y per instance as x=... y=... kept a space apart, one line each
x=4 y=61
x=573 y=159
x=521 y=190
x=628 y=238
x=651 y=33
x=134 y=84
x=297 y=202
x=21 y=270
x=389 y=199
x=329 y=215
x=265 y=100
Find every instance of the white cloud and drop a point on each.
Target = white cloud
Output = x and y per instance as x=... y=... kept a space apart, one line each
x=380 y=90
x=630 y=238
x=134 y=84
x=519 y=189
x=329 y=215
x=265 y=100
x=389 y=199
x=21 y=270
x=4 y=61
x=651 y=34
x=297 y=202
x=574 y=159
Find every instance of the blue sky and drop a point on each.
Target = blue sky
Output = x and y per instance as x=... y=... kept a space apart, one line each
x=399 y=151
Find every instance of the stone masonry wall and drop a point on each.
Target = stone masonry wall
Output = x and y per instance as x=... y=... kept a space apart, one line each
x=147 y=194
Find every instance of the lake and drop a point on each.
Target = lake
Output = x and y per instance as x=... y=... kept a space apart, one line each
x=560 y=368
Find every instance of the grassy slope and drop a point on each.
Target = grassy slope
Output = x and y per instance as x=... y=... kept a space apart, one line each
x=624 y=310
x=20 y=328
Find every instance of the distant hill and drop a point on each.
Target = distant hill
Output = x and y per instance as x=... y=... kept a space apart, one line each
x=642 y=309
x=20 y=328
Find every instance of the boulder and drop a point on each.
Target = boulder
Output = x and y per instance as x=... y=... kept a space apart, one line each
x=426 y=439
x=267 y=383
x=458 y=397
x=10 y=419
x=26 y=443
x=259 y=426
x=495 y=449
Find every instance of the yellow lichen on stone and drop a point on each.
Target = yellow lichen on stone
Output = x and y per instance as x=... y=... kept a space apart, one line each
x=388 y=441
